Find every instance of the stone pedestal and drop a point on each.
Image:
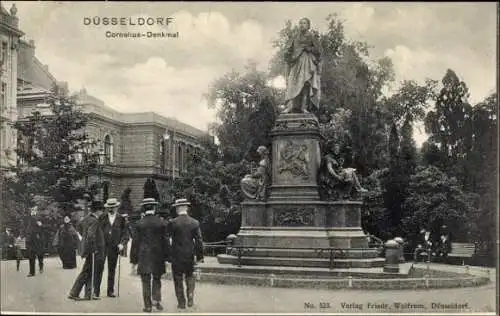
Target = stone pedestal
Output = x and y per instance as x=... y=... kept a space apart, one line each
x=294 y=219
x=392 y=254
x=296 y=158
x=401 y=243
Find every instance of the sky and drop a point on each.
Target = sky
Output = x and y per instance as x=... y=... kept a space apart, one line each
x=170 y=75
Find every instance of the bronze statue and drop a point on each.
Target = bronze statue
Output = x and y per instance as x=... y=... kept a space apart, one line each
x=337 y=182
x=302 y=76
x=254 y=185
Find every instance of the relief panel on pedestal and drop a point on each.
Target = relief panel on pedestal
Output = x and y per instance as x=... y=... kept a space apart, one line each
x=293 y=163
x=293 y=217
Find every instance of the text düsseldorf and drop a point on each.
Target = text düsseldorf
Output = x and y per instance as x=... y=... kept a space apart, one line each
x=97 y=20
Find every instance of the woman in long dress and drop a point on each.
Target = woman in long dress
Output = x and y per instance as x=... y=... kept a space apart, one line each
x=254 y=185
x=68 y=243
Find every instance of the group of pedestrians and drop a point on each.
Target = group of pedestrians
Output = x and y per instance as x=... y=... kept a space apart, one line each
x=30 y=242
x=432 y=245
x=14 y=246
x=155 y=242
x=104 y=238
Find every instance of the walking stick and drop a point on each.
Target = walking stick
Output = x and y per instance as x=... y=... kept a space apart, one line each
x=118 y=283
x=92 y=278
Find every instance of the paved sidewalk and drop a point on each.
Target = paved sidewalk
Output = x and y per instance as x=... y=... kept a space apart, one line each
x=474 y=270
x=48 y=292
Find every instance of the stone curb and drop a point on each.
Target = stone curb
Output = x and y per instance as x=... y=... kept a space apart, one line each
x=460 y=280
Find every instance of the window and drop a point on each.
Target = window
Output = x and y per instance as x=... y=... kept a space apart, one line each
x=162 y=156
x=105 y=190
x=3 y=54
x=179 y=157
x=108 y=150
x=3 y=97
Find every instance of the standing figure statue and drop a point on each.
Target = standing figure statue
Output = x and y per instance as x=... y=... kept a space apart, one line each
x=302 y=56
x=336 y=180
x=254 y=185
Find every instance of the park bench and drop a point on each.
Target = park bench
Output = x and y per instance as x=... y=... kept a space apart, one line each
x=464 y=251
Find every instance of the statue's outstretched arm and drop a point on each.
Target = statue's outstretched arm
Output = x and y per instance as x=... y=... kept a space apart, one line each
x=332 y=172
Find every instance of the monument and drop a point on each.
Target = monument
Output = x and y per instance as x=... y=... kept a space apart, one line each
x=285 y=219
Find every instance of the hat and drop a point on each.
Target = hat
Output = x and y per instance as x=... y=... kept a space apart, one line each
x=149 y=201
x=112 y=203
x=180 y=202
x=96 y=206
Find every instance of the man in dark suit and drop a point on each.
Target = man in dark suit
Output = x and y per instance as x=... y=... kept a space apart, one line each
x=151 y=240
x=35 y=243
x=114 y=227
x=93 y=250
x=187 y=244
x=134 y=219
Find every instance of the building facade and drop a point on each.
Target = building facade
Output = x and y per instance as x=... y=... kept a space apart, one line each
x=138 y=146
x=9 y=45
x=133 y=146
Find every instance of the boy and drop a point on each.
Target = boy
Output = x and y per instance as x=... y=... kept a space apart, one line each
x=20 y=248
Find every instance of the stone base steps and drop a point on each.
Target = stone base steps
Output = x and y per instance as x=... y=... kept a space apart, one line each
x=302 y=272
x=295 y=253
x=301 y=262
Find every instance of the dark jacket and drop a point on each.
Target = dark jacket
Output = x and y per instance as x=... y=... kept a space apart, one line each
x=187 y=242
x=151 y=241
x=92 y=237
x=115 y=234
x=67 y=237
x=133 y=244
x=35 y=235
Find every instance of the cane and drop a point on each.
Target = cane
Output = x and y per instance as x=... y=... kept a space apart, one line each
x=92 y=279
x=118 y=282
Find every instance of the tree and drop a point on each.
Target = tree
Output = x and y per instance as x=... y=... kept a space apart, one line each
x=435 y=199
x=246 y=110
x=375 y=220
x=150 y=190
x=404 y=168
x=432 y=155
x=126 y=204
x=212 y=187
x=392 y=184
x=450 y=126
x=52 y=157
x=483 y=165
x=409 y=103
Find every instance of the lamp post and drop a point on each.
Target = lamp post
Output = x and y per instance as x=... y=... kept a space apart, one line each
x=85 y=153
x=166 y=137
x=100 y=168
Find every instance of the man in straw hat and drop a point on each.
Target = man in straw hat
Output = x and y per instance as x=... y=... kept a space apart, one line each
x=187 y=244
x=152 y=251
x=114 y=227
x=93 y=249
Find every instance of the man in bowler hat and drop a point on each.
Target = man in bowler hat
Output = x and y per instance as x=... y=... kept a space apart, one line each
x=151 y=240
x=187 y=246
x=93 y=250
x=114 y=227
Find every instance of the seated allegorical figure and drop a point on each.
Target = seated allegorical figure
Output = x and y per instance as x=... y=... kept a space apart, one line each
x=254 y=184
x=337 y=180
